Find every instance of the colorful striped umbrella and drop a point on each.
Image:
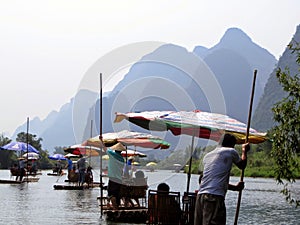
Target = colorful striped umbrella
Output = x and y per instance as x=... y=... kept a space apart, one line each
x=130 y=152
x=129 y=138
x=194 y=123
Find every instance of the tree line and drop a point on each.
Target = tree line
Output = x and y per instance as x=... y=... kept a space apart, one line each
x=8 y=158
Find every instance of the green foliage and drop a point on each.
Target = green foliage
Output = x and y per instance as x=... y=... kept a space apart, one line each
x=6 y=157
x=32 y=140
x=44 y=162
x=286 y=134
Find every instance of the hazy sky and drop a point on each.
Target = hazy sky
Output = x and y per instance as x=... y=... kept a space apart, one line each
x=47 y=46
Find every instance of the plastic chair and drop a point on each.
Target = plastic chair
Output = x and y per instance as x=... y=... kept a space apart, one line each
x=164 y=207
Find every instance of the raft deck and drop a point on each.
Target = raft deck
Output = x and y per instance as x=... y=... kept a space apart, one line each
x=25 y=179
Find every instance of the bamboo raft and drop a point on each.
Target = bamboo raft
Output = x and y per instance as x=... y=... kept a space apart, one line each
x=135 y=214
x=151 y=211
x=10 y=182
x=25 y=180
x=133 y=207
x=56 y=174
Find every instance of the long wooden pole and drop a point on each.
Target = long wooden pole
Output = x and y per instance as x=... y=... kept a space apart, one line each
x=100 y=137
x=27 y=140
x=91 y=135
x=247 y=135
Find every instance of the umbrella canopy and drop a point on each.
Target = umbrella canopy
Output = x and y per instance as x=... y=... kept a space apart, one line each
x=70 y=155
x=57 y=157
x=129 y=138
x=194 y=123
x=19 y=146
x=31 y=156
x=151 y=164
x=84 y=150
x=130 y=152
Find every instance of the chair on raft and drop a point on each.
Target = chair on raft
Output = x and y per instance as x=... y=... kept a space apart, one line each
x=164 y=208
x=189 y=202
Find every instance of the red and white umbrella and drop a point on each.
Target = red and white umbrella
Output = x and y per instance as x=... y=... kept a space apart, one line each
x=83 y=150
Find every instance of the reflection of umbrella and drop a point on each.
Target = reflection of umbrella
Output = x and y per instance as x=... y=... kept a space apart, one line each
x=151 y=164
x=195 y=123
x=57 y=157
x=129 y=153
x=31 y=156
x=84 y=150
x=129 y=138
x=19 y=146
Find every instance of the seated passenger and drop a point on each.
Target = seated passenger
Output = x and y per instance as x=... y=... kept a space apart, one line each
x=140 y=179
x=14 y=170
x=164 y=207
x=89 y=175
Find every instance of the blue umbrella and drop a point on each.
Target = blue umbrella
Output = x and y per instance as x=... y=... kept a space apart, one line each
x=19 y=146
x=57 y=157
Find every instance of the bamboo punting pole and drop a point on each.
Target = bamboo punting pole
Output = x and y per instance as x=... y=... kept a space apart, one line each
x=27 y=140
x=247 y=135
x=100 y=137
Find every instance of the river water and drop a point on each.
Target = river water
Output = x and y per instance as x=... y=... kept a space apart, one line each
x=39 y=203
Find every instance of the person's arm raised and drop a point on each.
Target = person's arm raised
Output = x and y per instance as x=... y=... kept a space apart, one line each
x=243 y=163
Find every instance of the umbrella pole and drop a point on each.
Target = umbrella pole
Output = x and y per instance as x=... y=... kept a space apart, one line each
x=100 y=137
x=246 y=140
x=91 y=146
x=190 y=165
x=27 y=140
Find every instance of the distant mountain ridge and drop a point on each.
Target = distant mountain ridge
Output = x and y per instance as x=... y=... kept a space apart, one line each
x=165 y=80
x=237 y=41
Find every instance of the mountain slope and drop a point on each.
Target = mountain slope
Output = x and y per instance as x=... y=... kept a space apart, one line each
x=273 y=93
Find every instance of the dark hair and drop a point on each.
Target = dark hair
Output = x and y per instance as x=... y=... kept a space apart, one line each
x=163 y=187
x=228 y=140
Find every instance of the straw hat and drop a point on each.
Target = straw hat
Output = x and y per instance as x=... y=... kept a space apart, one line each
x=118 y=147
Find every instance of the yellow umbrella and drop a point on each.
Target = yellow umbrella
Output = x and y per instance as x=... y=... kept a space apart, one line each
x=151 y=164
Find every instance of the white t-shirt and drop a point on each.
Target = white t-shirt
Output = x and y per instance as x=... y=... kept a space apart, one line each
x=217 y=166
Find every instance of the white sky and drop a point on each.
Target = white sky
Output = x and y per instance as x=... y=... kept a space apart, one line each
x=47 y=46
